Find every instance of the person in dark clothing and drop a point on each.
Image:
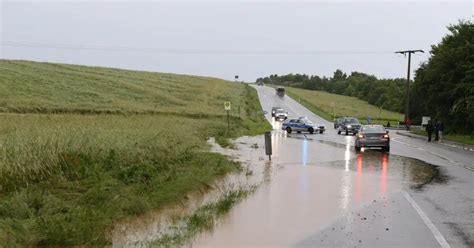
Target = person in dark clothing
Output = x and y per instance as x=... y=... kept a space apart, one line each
x=435 y=125
x=440 y=126
x=429 y=130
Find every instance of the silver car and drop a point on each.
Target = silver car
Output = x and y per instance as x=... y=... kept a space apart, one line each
x=302 y=124
x=372 y=136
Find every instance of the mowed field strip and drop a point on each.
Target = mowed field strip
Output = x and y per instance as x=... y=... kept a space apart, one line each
x=325 y=104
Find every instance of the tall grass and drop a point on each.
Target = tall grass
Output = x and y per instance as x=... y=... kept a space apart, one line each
x=65 y=179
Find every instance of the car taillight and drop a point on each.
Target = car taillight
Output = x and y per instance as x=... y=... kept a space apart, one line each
x=386 y=136
x=361 y=136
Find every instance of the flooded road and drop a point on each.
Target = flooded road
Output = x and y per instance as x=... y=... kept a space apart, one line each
x=318 y=192
x=312 y=185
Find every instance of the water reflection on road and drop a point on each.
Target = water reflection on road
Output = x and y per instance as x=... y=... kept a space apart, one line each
x=316 y=183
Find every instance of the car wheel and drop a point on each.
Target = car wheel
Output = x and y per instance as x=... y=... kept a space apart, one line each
x=339 y=131
x=386 y=149
x=288 y=129
x=311 y=130
x=298 y=131
x=347 y=133
x=357 y=148
x=321 y=131
x=335 y=126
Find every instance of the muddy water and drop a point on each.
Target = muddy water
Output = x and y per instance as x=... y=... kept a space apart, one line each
x=309 y=184
x=313 y=183
x=143 y=230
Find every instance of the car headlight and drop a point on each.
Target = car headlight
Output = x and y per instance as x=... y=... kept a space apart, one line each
x=349 y=126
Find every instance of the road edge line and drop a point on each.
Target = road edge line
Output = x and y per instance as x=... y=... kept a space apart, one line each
x=436 y=233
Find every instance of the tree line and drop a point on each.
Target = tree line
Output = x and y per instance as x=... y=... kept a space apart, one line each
x=384 y=93
x=443 y=87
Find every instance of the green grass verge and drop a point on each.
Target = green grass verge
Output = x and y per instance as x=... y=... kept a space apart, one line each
x=320 y=103
x=464 y=139
x=65 y=179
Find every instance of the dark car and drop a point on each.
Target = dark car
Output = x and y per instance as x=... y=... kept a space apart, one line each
x=338 y=122
x=372 y=136
x=280 y=91
x=349 y=125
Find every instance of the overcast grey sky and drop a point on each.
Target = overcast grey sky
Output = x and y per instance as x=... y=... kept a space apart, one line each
x=227 y=38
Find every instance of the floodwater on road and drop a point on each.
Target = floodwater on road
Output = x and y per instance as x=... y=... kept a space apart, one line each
x=312 y=184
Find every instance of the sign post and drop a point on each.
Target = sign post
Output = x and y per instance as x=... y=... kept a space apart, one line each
x=268 y=144
x=227 y=109
x=332 y=110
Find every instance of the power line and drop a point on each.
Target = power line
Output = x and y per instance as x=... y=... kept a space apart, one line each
x=188 y=51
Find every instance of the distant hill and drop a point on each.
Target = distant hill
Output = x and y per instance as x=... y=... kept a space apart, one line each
x=320 y=103
x=32 y=87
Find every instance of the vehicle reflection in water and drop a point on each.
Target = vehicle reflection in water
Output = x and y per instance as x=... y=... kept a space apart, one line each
x=277 y=135
x=315 y=182
x=358 y=189
x=347 y=154
x=304 y=154
x=383 y=176
x=346 y=186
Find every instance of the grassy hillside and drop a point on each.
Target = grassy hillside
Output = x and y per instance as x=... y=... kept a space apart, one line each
x=28 y=87
x=320 y=103
x=129 y=143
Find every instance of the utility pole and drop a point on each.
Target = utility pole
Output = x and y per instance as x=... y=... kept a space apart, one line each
x=407 y=96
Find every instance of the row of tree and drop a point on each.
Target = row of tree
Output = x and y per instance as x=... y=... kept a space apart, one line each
x=443 y=87
x=385 y=93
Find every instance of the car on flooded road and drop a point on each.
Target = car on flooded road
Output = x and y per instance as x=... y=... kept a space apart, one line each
x=279 y=113
x=372 y=136
x=302 y=124
x=348 y=125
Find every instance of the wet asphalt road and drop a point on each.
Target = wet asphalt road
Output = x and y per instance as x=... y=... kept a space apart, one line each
x=321 y=193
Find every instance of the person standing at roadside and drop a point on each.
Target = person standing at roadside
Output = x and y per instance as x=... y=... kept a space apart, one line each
x=436 y=130
x=429 y=130
x=440 y=127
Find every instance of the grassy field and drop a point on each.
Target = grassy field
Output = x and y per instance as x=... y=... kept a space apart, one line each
x=27 y=87
x=320 y=103
x=72 y=164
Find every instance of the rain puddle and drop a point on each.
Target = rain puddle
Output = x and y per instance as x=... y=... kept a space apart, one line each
x=308 y=184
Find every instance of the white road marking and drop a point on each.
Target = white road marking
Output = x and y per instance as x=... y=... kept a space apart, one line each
x=435 y=154
x=438 y=236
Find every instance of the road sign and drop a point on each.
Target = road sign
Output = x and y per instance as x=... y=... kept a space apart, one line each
x=227 y=106
x=333 y=104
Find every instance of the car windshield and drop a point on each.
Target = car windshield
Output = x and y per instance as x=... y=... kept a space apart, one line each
x=352 y=121
x=280 y=111
x=308 y=122
x=373 y=129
